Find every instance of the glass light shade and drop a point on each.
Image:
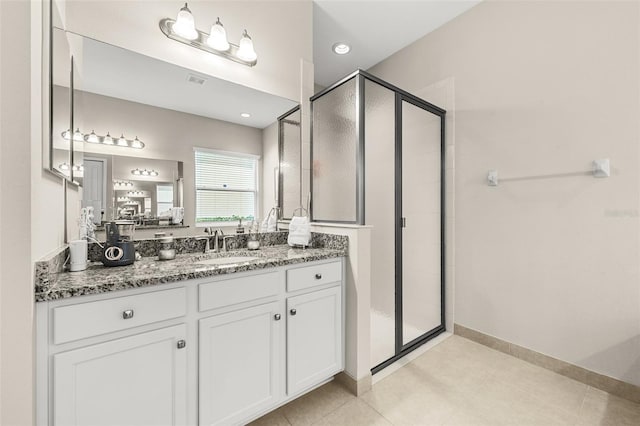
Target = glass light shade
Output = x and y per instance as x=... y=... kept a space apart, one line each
x=92 y=137
x=245 y=50
x=67 y=134
x=122 y=141
x=108 y=140
x=136 y=143
x=136 y=172
x=185 y=25
x=218 y=37
x=63 y=166
x=145 y=172
x=77 y=136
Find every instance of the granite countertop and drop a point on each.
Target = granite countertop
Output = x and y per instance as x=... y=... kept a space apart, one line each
x=149 y=271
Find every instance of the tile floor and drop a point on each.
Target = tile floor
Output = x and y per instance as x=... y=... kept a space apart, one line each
x=460 y=382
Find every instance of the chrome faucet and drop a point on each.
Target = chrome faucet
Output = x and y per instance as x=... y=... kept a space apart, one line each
x=216 y=243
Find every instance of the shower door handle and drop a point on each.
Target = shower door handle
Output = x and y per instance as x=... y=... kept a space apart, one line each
x=403 y=222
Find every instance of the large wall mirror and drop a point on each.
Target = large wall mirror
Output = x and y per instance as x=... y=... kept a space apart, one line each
x=131 y=139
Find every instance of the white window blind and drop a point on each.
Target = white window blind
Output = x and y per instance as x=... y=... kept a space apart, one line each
x=226 y=188
x=164 y=194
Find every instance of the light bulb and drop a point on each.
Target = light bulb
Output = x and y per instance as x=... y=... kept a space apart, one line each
x=108 y=140
x=122 y=141
x=66 y=134
x=63 y=166
x=145 y=172
x=218 y=37
x=136 y=172
x=92 y=137
x=245 y=51
x=185 y=25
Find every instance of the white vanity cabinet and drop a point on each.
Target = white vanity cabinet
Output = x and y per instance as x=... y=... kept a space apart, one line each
x=239 y=360
x=222 y=350
x=136 y=380
x=314 y=338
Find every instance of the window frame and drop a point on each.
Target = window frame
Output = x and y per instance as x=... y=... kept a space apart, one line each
x=256 y=191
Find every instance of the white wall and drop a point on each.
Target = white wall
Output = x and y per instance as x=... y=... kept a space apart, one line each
x=281 y=32
x=168 y=135
x=543 y=88
x=16 y=293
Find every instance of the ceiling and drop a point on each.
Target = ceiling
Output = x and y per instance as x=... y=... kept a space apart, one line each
x=375 y=29
x=120 y=73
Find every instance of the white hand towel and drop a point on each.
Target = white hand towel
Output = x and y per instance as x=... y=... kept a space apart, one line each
x=299 y=231
x=272 y=223
x=177 y=214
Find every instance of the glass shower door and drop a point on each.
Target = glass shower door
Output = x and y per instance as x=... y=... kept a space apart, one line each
x=421 y=224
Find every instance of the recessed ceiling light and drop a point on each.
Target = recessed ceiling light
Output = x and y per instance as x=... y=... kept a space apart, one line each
x=341 y=48
x=245 y=115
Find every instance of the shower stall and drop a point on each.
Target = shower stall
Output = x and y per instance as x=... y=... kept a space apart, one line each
x=377 y=158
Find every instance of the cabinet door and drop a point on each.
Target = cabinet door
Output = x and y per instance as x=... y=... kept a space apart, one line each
x=314 y=338
x=137 y=380
x=240 y=372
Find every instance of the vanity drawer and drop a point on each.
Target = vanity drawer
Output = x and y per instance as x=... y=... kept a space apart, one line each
x=314 y=275
x=75 y=322
x=229 y=292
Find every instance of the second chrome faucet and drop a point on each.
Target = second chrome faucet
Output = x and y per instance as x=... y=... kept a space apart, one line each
x=216 y=234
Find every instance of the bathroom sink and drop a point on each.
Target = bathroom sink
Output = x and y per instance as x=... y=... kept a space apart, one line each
x=227 y=260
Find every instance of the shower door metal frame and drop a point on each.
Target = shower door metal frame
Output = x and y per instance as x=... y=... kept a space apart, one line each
x=401 y=349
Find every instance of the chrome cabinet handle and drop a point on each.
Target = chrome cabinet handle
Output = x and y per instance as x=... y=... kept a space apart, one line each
x=318 y=276
x=128 y=314
x=277 y=317
x=181 y=344
x=293 y=311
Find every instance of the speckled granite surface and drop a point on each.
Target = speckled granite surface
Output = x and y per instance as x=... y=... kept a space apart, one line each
x=52 y=285
x=183 y=245
x=47 y=269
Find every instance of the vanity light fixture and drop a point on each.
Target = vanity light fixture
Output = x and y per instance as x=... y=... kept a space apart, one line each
x=122 y=184
x=122 y=199
x=105 y=140
x=144 y=172
x=184 y=31
x=341 y=48
x=77 y=135
x=135 y=194
x=76 y=168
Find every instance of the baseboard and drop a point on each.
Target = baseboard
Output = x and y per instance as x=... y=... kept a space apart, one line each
x=580 y=374
x=356 y=387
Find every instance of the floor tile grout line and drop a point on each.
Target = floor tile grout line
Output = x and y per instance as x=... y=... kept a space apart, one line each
x=374 y=408
x=334 y=410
